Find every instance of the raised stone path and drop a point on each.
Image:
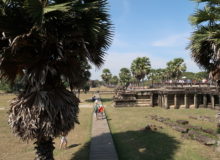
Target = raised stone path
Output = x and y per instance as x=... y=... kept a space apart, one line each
x=102 y=146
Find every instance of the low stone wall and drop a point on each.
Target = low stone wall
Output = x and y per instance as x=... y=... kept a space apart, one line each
x=195 y=97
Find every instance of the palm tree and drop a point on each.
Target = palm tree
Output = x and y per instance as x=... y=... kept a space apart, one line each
x=205 y=40
x=140 y=67
x=125 y=77
x=175 y=68
x=106 y=75
x=45 y=42
x=114 y=80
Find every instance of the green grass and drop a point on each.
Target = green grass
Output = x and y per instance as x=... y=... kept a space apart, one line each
x=133 y=143
x=11 y=148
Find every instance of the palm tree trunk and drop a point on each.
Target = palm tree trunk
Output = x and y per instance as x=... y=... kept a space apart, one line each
x=44 y=149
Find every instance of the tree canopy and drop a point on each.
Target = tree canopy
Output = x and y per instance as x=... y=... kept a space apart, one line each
x=106 y=75
x=205 y=40
x=125 y=76
x=175 y=68
x=140 y=67
x=47 y=43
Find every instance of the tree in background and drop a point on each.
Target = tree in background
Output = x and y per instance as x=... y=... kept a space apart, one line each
x=153 y=75
x=175 y=68
x=140 y=68
x=114 y=80
x=45 y=43
x=201 y=75
x=106 y=75
x=125 y=77
x=84 y=75
x=205 y=40
x=189 y=75
x=157 y=75
x=95 y=83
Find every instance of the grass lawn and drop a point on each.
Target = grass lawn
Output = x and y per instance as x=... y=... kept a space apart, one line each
x=11 y=148
x=133 y=143
x=106 y=98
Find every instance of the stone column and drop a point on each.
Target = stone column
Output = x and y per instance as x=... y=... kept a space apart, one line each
x=195 y=100
x=205 y=101
x=213 y=101
x=151 y=100
x=166 y=101
x=175 y=101
x=219 y=101
x=186 y=101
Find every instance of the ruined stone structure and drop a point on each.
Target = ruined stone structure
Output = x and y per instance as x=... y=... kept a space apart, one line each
x=182 y=96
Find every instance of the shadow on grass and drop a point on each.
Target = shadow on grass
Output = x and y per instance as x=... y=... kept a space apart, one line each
x=106 y=100
x=137 y=145
x=82 y=154
x=89 y=101
x=72 y=146
x=102 y=99
x=145 y=145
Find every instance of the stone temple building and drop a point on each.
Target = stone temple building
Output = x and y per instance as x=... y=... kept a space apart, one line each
x=170 y=96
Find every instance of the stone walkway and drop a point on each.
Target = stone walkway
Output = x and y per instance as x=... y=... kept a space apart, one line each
x=102 y=146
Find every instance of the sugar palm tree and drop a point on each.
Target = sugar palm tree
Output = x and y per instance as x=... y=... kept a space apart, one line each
x=140 y=67
x=175 y=68
x=114 y=80
x=45 y=42
x=205 y=40
x=125 y=77
x=106 y=75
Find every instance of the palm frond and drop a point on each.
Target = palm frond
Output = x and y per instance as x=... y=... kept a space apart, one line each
x=43 y=114
x=35 y=9
x=64 y=7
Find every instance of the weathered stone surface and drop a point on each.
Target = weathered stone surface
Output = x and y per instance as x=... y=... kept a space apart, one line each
x=180 y=129
x=201 y=138
x=209 y=131
x=152 y=127
x=183 y=122
x=203 y=118
x=192 y=117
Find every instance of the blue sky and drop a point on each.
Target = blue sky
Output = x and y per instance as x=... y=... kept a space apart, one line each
x=158 y=29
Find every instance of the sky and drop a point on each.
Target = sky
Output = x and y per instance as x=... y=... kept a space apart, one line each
x=158 y=29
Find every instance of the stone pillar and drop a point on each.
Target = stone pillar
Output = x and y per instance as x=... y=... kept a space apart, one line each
x=186 y=101
x=205 y=101
x=196 y=101
x=213 y=101
x=175 y=102
x=166 y=101
x=219 y=100
x=158 y=100
x=151 y=100
x=162 y=103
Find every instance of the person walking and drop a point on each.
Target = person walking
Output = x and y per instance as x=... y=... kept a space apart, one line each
x=63 y=141
x=96 y=108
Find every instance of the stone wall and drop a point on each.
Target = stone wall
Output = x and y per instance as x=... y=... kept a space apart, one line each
x=195 y=97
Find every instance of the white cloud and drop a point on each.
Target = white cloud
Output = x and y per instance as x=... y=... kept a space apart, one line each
x=172 y=41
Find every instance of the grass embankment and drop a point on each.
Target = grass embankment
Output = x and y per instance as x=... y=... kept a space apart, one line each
x=133 y=143
x=11 y=148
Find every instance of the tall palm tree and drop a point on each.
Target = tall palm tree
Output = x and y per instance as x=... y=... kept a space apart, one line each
x=106 y=75
x=140 y=67
x=175 y=68
x=125 y=77
x=45 y=42
x=114 y=80
x=205 y=40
